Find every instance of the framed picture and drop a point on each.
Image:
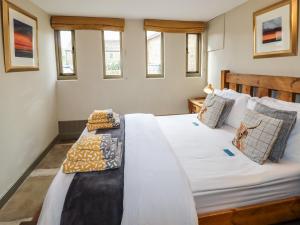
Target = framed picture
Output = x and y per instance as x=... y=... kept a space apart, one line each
x=276 y=30
x=20 y=37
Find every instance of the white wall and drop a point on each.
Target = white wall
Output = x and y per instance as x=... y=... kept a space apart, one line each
x=28 y=117
x=237 y=54
x=134 y=93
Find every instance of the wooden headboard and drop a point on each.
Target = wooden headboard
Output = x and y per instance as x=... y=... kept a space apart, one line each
x=283 y=88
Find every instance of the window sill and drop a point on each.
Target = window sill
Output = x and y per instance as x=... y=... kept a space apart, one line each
x=113 y=77
x=158 y=76
x=67 y=77
x=195 y=75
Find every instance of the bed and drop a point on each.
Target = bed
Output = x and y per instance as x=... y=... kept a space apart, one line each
x=269 y=194
x=270 y=212
x=221 y=183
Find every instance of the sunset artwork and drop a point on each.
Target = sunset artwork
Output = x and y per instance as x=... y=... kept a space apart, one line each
x=272 y=30
x=23 y=35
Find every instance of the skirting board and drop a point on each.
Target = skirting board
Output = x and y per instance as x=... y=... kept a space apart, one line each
x=18 y=183
x=70 y=130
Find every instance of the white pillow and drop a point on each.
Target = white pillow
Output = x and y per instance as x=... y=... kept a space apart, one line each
x=239 y=108
x=292 y=148
x=252 y=103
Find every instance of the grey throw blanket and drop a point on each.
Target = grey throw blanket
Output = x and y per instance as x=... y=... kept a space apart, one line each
x=96 y=198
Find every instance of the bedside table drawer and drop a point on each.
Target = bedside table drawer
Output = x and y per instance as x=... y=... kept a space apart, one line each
x=195 y=104
x=196 y=109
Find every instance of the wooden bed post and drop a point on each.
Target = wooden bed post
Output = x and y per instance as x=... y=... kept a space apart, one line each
x=283 y=87
x=223 y=78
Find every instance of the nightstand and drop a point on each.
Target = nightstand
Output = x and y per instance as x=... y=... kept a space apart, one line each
x=195 y=104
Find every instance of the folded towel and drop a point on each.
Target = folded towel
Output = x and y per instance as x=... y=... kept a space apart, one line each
x=74 y=167
x=104 y=120
x=89 y=166
x=93 y=142
x=96 y=126
x=101 y=114
x=88 y=155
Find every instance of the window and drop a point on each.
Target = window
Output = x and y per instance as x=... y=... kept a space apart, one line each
x=193 y=55
x=155 y=54
x=112 y=54
x=65 y=54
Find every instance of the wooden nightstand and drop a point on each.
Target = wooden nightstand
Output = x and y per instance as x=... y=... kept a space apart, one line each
x=195 y=104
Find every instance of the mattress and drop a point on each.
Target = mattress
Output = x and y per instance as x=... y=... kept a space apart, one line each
x=219 y=181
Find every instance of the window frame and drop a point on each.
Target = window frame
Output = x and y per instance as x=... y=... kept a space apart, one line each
x=60 y=74
x=196 y=73
x=104 y=61
x=162 y=74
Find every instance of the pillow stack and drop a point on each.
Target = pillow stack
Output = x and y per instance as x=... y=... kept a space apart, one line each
x=264 y=125
x=239 y=107
x=93 y=153
x=215 y=110
x=270 y=113
x=103 y=119
x=288 y=140
x=288 y=122
x=256 y=135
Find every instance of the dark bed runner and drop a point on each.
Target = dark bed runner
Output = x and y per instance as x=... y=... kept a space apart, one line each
x=96 y=198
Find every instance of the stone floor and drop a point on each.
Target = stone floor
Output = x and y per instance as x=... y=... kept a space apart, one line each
x=27 y=200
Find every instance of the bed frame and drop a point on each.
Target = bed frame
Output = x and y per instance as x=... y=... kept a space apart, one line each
x=280 y=87
x=284 y=88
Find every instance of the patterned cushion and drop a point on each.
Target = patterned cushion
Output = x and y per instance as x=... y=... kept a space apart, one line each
x=211 y=110
x=257 y=135
x=225 y=113
x=289 y=119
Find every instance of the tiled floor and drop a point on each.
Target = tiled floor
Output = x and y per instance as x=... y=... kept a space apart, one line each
x=29 y=197
x=25 y=203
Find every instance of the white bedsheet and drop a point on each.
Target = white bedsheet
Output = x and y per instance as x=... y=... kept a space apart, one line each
x=151 y=171
x=156 y=189
x=219 y=181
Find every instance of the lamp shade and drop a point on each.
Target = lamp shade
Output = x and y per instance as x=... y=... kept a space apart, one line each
x=209 y=89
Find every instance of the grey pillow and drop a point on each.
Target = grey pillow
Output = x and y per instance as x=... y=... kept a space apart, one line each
x=211 y=110
x=226 y=110
x=257 y=135
x=289 y=119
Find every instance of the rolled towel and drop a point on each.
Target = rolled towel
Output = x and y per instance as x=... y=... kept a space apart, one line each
x=101 y=114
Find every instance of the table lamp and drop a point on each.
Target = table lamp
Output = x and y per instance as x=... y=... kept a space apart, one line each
x=209 y=89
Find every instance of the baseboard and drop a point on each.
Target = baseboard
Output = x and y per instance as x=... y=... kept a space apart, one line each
x=71 y=129
x=18 y=183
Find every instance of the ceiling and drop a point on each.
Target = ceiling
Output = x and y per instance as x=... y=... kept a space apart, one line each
x=203 y=10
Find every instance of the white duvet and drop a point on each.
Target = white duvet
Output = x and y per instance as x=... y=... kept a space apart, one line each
x=219 y=181
x=156 y=189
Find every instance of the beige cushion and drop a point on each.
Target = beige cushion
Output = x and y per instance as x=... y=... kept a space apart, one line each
x=211 y=110
x=256 y=135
